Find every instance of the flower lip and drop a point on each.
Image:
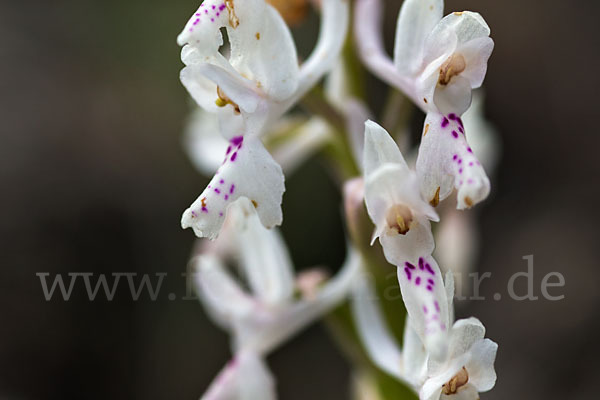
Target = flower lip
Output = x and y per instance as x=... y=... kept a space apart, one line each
x=459 y=380
x=399 y=219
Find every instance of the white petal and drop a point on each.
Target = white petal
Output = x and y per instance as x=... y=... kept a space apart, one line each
x=201 y=81
x=476 y=53
x=236 y=87
x=265 y=335
x=380 y=149
x=455 y=97
x=246 y=377
x=439 y=47
x=202 y=89
x=464 y=333
x=263 y=256
x=334 y=26
x=203 y=142
x=203 y=28
x=373 y=331
x=466 y=25
x=446 y=161
x=415 y=22
x=481 y=366
x=369 y=41
x=224 y=300
x=248 y=171
x=414 y=355
x=263 y=50
x=424 y=296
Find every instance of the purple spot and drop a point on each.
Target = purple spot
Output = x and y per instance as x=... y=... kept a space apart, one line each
x=470 y=181
x=452 y=116
x=209 y=186
x=408 y=274
x=445 y=122
x=425 y=309
x=455 y=157
x=443 y=326
x=429 y=288
x=460 y=171
x=418 y=281
x=221 y=181
x=478 y=163
x=226 y=197
x=236 y=141
x=220 y=214
x=228 y=150
x=421 y=263
x=218 y=14
x=431 y=282
x=469 y=150
x=212 y=20
x=460 y=122
x=231 y=189
x=217 y=191
x=461 y=130
x=429 y=269
x=454 y=134
x=222 y=7
x=205 y=11
x=437 y=306
x=204 y=210
x=213 y=7
x=194 y=213
x=460 y=161
x=409 y=265
x=234 y=156
x=471 y=164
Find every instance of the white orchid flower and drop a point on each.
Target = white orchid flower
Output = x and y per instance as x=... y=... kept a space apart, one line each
x=252 y=87
x=266 y=315
x=437 y=62
x=466 y=370
x=402 y=218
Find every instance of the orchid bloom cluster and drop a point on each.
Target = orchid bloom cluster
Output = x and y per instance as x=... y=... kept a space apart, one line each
x=243 y=71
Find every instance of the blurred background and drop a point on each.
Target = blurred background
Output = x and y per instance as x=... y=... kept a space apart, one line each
x=94 y=179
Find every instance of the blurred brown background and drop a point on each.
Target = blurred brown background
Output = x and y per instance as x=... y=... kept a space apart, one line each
x=94 y=179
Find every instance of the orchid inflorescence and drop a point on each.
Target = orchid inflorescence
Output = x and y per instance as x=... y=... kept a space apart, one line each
x=248 y=84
